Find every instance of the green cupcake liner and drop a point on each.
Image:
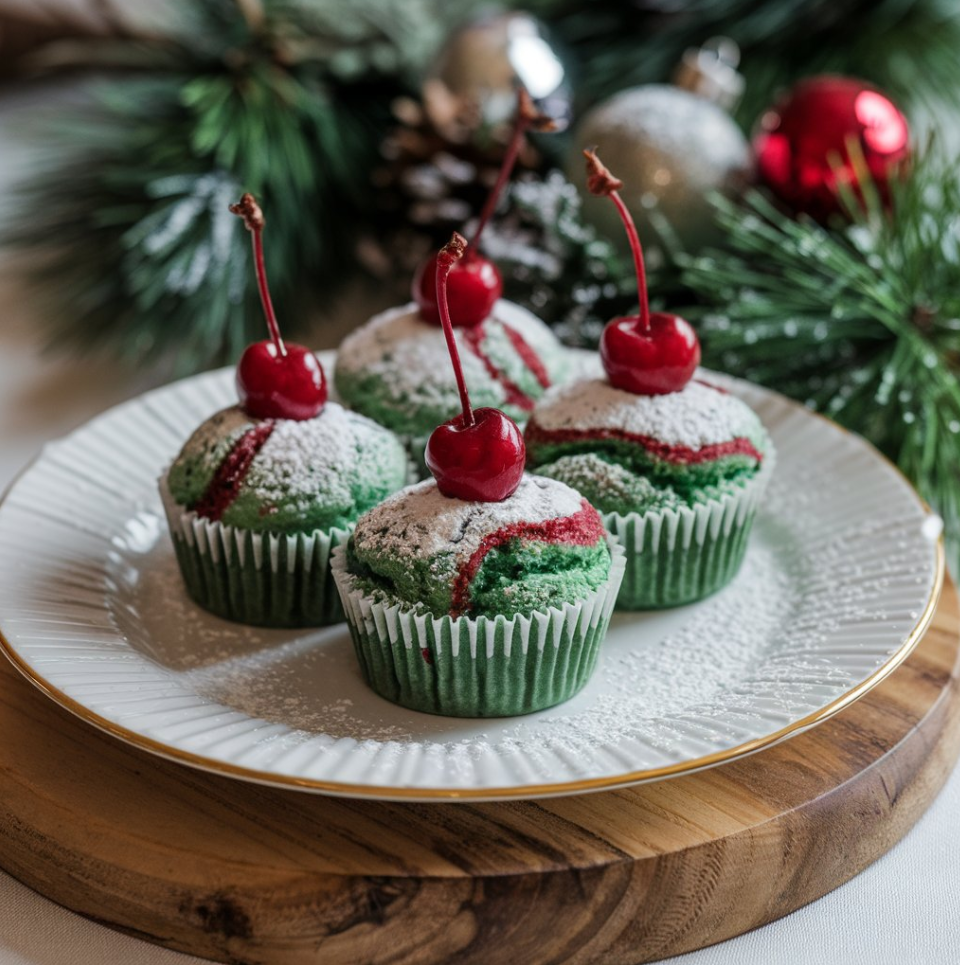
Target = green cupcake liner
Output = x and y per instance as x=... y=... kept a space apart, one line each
x=680 y=556
x=262 y=579
x=482 y=667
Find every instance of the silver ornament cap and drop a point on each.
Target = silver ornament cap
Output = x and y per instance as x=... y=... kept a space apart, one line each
x=711 y=71
x=470 y=93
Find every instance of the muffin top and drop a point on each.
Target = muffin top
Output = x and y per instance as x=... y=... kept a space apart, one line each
x=396 y=368
x=633 y=453
x=287 y=476
x=543 y=546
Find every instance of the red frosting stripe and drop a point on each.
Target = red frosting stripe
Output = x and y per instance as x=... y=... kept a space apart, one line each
x=227 y=480
x=678 y=455
x=528 y=356
x=583 y=528
x=514 y=394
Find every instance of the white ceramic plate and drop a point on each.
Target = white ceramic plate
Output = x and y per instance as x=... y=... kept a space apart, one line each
x=841 y=578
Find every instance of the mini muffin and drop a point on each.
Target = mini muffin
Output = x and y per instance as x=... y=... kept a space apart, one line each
x=256 y=505
x=678 y=477
x=263 y=491
x=395 y=368
x=479 y=609
x=676 y=465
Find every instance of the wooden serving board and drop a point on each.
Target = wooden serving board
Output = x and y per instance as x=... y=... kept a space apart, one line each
x=247 y=874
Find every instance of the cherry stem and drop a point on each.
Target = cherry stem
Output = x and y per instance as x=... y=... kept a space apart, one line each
x=248 y=209
x=637 y=259
x=527 y=117
x=604 y=184
x=449 y=255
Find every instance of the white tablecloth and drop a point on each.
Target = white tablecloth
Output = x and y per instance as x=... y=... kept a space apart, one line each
x=904 y=909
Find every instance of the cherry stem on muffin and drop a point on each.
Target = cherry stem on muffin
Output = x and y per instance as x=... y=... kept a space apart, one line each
x=248 y=209
x=449 y=255
x=604 y=185
x=528 y=117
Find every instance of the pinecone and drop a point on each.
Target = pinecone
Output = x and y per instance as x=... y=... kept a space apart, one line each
x=426 y=187
x=554 y=263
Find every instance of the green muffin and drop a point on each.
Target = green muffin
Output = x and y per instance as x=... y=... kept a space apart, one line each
x=477 y=609
x=396 y=369
x=255 y=507
x=678 y=478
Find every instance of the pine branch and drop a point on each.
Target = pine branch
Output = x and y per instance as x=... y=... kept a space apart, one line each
x=861 y=324
x=136 y=254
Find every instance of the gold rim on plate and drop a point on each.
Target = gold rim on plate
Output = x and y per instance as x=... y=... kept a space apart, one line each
x=376 y=792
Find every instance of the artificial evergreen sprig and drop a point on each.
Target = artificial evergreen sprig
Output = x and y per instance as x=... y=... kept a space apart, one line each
x=862 y=324
x=282 y=98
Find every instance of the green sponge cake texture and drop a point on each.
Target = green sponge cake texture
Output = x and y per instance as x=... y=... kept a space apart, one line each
x=319 y=473
x=541 y=548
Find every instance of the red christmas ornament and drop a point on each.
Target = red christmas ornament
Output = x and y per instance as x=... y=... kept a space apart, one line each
x=275 y=379
x=475 y=282
x=803 y=143
x=652 y=353
x=480 y=454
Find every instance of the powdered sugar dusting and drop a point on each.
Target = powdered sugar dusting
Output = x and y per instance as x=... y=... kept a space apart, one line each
x=410 y=355
x=420 y=522
x=303 y=458
x=695 y=417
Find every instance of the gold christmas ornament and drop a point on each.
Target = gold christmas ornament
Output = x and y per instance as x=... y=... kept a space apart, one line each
x=672 y=147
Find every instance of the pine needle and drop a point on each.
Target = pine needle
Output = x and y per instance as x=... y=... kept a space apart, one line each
x=862 y=324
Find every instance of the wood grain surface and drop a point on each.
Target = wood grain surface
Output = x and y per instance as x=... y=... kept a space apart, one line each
x=246 y=874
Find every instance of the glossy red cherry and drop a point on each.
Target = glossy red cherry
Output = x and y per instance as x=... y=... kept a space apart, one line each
x=650 y=362
x=475 y=283
x=477 y=455
x=275 y=380
x=482 y=461
x=274 y=386
x=473 y=288
x=650 y=353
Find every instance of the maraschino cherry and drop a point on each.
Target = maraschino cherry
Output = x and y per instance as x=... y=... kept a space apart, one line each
x=652 y=353
x=478 y=455
x=475 y=282
x=275 y=379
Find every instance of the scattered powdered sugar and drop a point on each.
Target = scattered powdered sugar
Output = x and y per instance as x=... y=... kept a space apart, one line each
x=697 y=416
x=643 y=681
x=420 y=522
x=790 y=634
x=652 y=665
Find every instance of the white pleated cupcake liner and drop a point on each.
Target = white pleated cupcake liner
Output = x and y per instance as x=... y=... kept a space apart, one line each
x=677 y=556
x=477 y=667
x=263 y=579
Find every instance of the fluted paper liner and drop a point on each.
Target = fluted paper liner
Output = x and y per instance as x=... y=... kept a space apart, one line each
x=679 y=556
x=477 y=667
x=264 y=579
